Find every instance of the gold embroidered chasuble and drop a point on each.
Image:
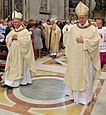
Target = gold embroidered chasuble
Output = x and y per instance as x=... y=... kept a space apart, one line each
x=19 y=50
x=53 y=35
x=80 y=55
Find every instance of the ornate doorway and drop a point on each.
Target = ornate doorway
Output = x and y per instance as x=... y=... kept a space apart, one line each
x=45 y=7
x=7 y=8
x=18 y=5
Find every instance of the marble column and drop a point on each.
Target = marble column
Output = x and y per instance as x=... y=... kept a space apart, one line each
x=27 y=9
x=48 y=5
x=89 y=4
x=13 y=5
x=23 y=9
x=66 y=9
x=1 y=9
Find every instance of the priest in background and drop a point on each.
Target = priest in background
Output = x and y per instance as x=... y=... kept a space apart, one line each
x=83 y=60
x=66 y=30
x=102 y=43
x=53 y=35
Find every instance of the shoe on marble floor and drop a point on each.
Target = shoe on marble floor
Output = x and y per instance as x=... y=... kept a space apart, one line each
x=40 y=57
x=54 y=56
x=6 y=86
x=25 y=84
x=1 y=79
x=51 y=55
x=67 y=95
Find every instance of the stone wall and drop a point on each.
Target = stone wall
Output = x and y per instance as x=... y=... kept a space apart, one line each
x=55 y=7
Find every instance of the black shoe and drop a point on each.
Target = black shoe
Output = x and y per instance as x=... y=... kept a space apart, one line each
x=23 y=84
x=51 y=55
x=6 y=86
x=29 y=83
x=63 y=47
x=67 y=95
x=1 y=80
x=101 y=66
x=54 y=56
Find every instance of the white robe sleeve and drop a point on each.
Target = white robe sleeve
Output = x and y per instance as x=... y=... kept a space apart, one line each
x=2 y=37
x=92 y=43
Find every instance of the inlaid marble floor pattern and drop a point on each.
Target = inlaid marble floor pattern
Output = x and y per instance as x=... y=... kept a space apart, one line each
x=46 y=95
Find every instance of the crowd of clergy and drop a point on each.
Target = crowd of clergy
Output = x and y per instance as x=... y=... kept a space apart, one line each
x=43 y=40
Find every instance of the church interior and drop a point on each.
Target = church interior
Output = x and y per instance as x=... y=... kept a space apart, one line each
x=46 y=96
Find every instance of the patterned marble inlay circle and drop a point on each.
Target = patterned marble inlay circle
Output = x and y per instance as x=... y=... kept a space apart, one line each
x=44 y=89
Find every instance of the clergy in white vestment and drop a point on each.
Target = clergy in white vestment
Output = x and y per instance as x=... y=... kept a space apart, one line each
x=66 y=30
x=102 y=43
x=20 y=63
x=83 y=60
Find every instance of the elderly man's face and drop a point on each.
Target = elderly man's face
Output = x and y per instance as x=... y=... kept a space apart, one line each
x=99 y=23
x=82 y=19
x=68 y=21
x=17 y=23
x=52 y=22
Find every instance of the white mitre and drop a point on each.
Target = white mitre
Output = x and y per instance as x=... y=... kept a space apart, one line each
x=81 y=9
x=17 y=15
x=52 y=20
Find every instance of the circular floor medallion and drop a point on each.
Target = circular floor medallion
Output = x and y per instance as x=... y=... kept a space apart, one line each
x=44 y=89
x=44 y=92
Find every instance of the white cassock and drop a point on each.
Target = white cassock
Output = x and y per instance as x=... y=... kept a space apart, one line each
x=66 y=33
x=20 y=63
x=83 y=97
x=26 y=78
x=102 y=42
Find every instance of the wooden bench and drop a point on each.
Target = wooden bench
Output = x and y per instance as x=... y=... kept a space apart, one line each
x=3 y=47
x=3 y=52
x=3 y=55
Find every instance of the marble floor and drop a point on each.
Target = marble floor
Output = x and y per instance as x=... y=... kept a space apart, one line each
x=46 y=96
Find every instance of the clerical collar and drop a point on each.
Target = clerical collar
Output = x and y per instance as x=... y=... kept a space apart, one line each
x=86 y=25
x=19 y=29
